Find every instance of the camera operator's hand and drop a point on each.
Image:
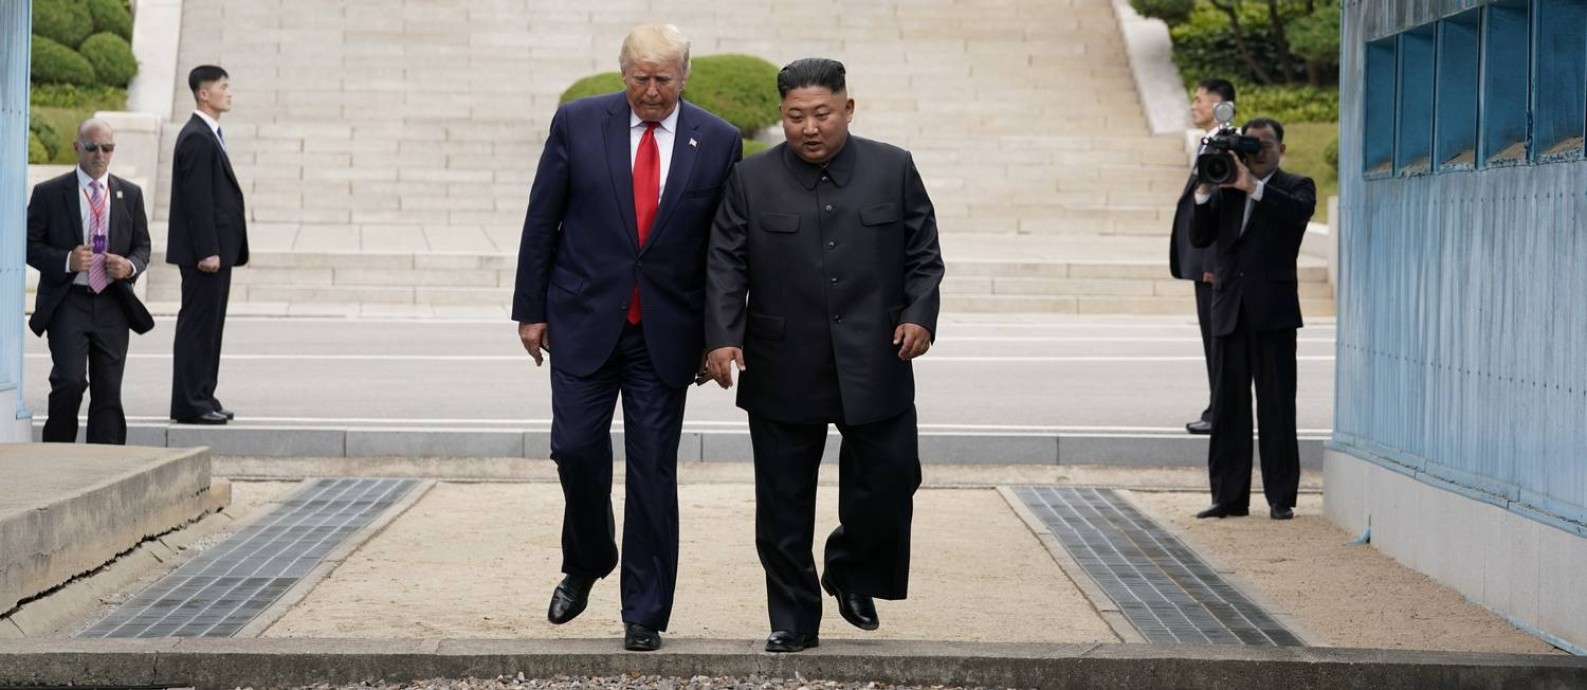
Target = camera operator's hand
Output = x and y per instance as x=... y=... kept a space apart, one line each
x=1242 y=176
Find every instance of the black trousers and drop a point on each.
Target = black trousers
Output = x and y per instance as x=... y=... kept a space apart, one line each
x=1208 y=343
x=581 y=445
x=878 y=473
x=88 y=346
x=1268 y=359
x=195 y=350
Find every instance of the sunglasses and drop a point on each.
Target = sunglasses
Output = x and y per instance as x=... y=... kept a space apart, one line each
x=90 y=147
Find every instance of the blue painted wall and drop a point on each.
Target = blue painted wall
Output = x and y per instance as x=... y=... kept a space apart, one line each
x=15 y=43
x=1462 y=355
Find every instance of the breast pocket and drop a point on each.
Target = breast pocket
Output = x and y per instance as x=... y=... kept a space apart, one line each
x=779 y=222
x=880 y=214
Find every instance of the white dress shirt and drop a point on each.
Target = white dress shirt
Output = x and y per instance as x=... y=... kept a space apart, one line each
x=83 y=194
x=665 y=133
x=214 y=126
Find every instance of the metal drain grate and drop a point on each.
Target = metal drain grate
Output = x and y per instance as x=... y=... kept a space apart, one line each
x=221 y=590
x=1167 y=592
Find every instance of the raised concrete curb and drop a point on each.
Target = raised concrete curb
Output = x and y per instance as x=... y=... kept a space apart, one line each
x=68 y=509
x=205 y=664
x=1151 y=56
x=730 y=445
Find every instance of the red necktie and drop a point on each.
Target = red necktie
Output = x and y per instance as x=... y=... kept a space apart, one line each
x=647 y=195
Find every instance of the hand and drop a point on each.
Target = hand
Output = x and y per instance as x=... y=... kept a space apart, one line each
x=1209 y=277
x=535 y=339
x=210 y=264
x=912 y=340
x=118 y=267
x=703 y=374
x=720 y=362
x=81 y=257
x=1242 y=176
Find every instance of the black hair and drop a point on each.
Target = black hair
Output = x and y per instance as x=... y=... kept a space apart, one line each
x=1267 y=123
x=204 y=74
x=808 y=72
x=1220 y=87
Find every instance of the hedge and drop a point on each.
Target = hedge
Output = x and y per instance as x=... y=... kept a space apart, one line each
x=1204 y=45
x=37 y=154
x=111 y=16
x=41 y=129
x=95 y=97
x=54 y=63
x=1287 y=103
x=66 y=22
x=741 y=89
x=111 y=57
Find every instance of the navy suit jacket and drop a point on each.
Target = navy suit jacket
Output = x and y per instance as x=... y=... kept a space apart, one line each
x=580 y=256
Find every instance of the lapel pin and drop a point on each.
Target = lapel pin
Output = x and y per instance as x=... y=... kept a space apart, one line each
x=694 y=143
x=118 y=194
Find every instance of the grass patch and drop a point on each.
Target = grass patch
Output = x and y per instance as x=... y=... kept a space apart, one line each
x=1305 y=142
x=65 y=107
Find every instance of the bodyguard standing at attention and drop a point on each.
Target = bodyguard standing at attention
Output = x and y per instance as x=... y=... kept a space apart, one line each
x=1256 y=222
x=611 y=271
x=208 y=236
x=832 y=241
x=88 y=236
x=1186 y=261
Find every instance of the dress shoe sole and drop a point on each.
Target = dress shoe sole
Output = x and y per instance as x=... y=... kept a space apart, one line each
x=791 y=649
x=202 y=422
x=633 y=646
x=844 y=611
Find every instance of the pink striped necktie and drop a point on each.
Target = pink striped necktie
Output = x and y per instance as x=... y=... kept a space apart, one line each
x=98 y=276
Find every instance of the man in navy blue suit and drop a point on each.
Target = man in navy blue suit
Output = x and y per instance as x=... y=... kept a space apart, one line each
x=612 y=270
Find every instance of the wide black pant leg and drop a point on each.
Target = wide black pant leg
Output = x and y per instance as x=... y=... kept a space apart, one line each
x=581 y=446
x=1229 y=452
x=878 y=473
x=195 y=355
x=1273 y=367
x=787 y=465
x=1208 y=342
x=88 y=337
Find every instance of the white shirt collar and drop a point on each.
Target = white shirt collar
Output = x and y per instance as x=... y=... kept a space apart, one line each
x=214 y=124
x=83 y=179
x=669 y=123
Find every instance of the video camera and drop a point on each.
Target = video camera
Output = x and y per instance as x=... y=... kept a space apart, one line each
x=1213 y=165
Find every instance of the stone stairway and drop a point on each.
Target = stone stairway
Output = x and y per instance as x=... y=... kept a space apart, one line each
x=386 y=147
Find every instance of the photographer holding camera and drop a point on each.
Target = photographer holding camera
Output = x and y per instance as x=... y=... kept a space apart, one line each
x=1255 y=215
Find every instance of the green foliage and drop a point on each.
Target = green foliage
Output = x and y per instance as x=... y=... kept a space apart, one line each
x=1331 y=155
x=82 y=97
x=1306 y=144
x=752 y=147
x=1288 y=104
x=1316 y=36
x=48 y=137
x=36 y=152
x=112 y=16
x=741 y=89
x=111 y=57
x=1206 y=42
x=1172 y=12
x=66 y=22
x=54 y=63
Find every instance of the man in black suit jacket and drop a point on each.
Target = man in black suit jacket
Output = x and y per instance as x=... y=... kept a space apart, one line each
x=833 y=240
x=88 y=236
x=1186 y=261
x=208 y=236
x=1257 y=223
x=612 y=269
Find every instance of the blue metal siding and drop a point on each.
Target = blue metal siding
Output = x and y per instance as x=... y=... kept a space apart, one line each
x=15 y=44
x=1462 y=336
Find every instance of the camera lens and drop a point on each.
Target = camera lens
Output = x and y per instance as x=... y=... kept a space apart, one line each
x=1217 y=169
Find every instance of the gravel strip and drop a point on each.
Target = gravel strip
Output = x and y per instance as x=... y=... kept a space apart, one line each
x=632 y=682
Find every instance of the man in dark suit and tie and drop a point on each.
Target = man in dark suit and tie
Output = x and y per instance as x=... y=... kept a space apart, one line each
x=208 y=236
x=1186 y=261
x=611 y=271
x=1256 y=223
x=823 y=287
x=88 y=236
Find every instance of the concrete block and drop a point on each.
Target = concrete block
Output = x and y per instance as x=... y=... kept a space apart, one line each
x=481 y=443
x=414 y=277
x=993 y=448
x=1563 y=600
x=1143 y=451
x=237 y=439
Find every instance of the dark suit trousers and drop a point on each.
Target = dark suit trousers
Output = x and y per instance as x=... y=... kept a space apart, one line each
x=1268 y=358
x=195 y=356
x=581 y=445
x=878 y=473
x=88 y=345
x=1204 y=320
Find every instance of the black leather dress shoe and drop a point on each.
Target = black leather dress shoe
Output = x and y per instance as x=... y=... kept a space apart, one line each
x=1281 y=513
x=1200 y=427
x=206 y=418
x=858 y=609
x=228 y=414
x=638 y=638
x=785 y=642
x=569 y=598
x=1218 y=510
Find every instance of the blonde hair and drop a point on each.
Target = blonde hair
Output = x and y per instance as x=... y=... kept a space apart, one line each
x=655 y=43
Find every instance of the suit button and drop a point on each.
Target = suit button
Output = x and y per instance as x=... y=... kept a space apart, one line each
x=623 y=306
x=832 y=245
x=837 y=319
x=829 y=208
x=834 y=281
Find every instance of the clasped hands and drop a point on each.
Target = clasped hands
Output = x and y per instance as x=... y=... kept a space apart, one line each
x=116 y=266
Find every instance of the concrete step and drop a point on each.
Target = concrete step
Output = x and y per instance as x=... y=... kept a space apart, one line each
x=1096 y=305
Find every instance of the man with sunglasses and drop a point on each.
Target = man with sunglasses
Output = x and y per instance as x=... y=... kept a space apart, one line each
x=88 y=236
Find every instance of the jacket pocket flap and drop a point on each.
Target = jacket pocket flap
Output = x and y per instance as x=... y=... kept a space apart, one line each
x=779 y=222
x=880 y=214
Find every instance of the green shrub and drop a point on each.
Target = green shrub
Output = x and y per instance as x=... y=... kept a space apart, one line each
x=741 y=89
x=1205 y=45
x=48 y=137
x=97 y=97
x=54 y=63
x=66 y=22
x=111 y=57
x=1288 y=103
x=1331 y=155
x=752 y=147
x=111 y=16
x=1172 y=12
x=36 y=152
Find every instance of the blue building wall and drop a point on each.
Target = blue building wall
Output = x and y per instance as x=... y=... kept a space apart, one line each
x=15 y=44
x=1462 y=346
